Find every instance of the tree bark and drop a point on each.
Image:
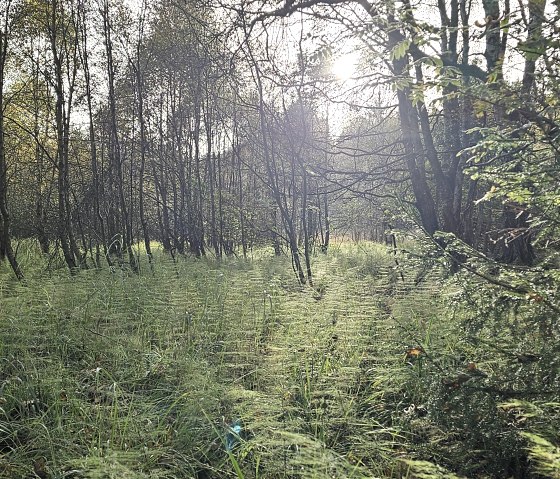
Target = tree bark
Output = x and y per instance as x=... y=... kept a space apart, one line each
x=114 y=141
x=57 y=31
x=98 y=193
x=139 y=83
x=6 y=250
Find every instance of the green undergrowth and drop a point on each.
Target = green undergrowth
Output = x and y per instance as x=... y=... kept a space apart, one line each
x=376 y=371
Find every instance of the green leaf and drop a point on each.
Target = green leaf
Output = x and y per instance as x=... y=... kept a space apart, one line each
x=400 y=50
x=534 y=48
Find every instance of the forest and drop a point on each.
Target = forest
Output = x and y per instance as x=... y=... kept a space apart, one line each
x=276 y=239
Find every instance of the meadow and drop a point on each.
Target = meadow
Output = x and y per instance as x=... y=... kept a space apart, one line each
x=198 y=368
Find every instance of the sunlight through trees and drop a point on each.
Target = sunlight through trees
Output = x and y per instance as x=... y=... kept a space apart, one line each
x=216 y=129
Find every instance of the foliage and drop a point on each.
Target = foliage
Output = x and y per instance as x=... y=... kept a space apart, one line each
x=545 y=455
x=526 y=182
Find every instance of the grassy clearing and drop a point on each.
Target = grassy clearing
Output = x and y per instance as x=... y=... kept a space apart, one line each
x=112 y=375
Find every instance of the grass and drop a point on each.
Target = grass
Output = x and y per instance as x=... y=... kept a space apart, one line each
x=114 y=375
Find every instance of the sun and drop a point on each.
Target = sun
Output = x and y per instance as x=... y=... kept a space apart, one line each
x=344 y=67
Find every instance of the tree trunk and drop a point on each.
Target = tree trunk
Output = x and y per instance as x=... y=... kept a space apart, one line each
x=98 y=222
x=139 y=81
x=62 y=119
x=305 y=227
x=6 y=250
x=115 y=148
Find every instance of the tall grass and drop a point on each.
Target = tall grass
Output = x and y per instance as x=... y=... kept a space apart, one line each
x=112 y=375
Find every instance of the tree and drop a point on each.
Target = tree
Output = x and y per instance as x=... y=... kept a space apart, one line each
x=6 y=250
x=97 y=186
x=60 y=27
x=122 y=221
x=435 y=138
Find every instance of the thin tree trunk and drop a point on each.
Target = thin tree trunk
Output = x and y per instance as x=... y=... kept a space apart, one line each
x=62 y=114
x=236 y=156
x=115 y=142
x=305 y=227
x=197 y=244
x=42 y=237
x=99 y=224
x=143 y=148
x=6 y=250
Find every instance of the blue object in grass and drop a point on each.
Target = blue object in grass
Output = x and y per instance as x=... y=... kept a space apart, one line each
x=233 y=435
